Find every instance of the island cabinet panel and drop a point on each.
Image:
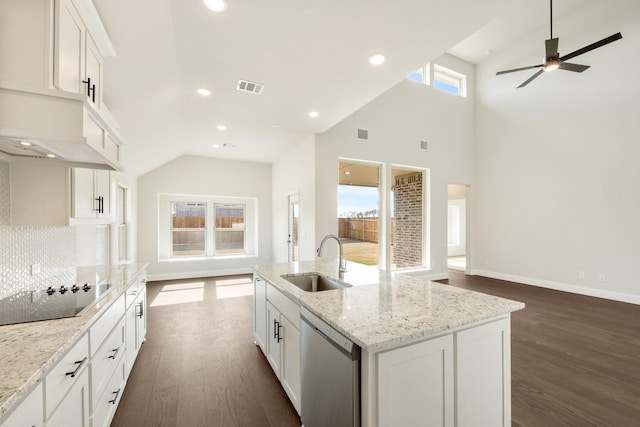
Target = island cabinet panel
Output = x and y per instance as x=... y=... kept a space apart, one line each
x=415 y=384
x=260 y=312
x=273 y=344
x=483 y=375
x=276 y=330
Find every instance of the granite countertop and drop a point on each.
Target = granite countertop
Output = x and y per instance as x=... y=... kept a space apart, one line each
x=384 y=310
x=28 y=351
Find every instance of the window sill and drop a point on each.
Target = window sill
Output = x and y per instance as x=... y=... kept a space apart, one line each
x=207 y=258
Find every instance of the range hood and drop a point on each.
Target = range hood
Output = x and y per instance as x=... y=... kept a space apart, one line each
x=41 y=123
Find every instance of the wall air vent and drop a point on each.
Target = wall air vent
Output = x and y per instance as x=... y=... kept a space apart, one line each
x=251 y=87
x=363 y=134
x=424 y=145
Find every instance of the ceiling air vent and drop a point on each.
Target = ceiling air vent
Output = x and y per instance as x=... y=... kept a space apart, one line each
x=424 y=145
x=251 y=87
x=363 y=134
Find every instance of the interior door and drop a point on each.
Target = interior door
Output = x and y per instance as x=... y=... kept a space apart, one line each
x=293 y=240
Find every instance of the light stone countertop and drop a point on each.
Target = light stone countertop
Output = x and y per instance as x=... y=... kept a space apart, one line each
x=28 y=351
x=385 y=310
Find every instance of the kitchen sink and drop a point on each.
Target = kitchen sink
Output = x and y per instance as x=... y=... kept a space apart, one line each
x=314 y=282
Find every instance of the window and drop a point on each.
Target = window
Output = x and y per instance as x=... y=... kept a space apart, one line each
x=449 y=81
x=195 y=227
x=121 y=218
x=421 y=75
x=229 y=229
x=188 y=229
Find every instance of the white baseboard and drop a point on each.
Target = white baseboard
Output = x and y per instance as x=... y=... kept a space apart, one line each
x=574 y=289
x=198 y=274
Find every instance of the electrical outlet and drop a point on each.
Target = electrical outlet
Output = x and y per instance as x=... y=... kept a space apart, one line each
x=580 y=274
x=35 y=269
x=601 y=277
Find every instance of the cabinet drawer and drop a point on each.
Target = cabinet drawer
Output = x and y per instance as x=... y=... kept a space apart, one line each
x=103 y=326
x=105 y=361
x=288 y=308
x=107 y=403
x=135 y=287
x=63 y=376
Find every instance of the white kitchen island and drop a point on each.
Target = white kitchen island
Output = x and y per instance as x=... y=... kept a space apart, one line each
x=431 y=354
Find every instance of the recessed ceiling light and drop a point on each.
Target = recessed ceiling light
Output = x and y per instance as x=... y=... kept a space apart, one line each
x=51 y=156
x=216 y=146
x=347 y=172
x=376 y=59
x=25 y=143
x=216 y=5
x=313 y=114
x=221 y=127
x=204 y=92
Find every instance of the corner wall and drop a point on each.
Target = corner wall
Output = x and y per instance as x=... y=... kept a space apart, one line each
x=294 y=172
x=557 y=161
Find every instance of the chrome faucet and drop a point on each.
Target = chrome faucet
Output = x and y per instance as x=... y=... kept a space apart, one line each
x=342 y=264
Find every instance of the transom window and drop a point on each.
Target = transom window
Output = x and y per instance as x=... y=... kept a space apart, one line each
x=444 y=79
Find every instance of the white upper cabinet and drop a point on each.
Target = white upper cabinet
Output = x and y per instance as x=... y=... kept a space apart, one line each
x=51 y=77
x=77 y=61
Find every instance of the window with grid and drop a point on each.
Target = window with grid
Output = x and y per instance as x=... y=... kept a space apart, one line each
x=188 y=229
x=229 y=228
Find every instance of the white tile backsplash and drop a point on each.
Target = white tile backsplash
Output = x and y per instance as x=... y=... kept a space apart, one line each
x=5 y=198
x=53 y=248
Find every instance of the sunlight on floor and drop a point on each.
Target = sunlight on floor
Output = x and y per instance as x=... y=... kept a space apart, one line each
x=457 y=263
x=234 y=287
x=180 y=293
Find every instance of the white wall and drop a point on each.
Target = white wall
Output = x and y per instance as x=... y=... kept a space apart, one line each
x=294 y=172
x=202 y=176
x=556 y=160
x=397 y=121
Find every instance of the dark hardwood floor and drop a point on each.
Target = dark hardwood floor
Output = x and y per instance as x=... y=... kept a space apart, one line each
x=575 y=360
x=199 y=366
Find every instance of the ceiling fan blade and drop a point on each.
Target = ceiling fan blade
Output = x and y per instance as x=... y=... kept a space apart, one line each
x=578 y=68
x=519 y=69
x=531 y=78
x=551 y=47
x=592 y=46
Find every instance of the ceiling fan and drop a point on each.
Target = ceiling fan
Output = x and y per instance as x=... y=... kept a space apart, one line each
x=554 y=61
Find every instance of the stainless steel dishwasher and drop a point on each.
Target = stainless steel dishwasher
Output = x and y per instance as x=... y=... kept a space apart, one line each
x=330 y=375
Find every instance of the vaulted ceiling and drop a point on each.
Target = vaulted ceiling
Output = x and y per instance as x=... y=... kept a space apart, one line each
x=311 y=56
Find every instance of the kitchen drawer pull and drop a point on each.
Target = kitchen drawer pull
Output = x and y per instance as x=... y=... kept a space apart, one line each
x=279 y=336
x=275 y=329
x=117 y=392
x=73 y=373
x=115 y=352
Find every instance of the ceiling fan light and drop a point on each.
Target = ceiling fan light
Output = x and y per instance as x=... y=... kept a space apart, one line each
x=551 y=65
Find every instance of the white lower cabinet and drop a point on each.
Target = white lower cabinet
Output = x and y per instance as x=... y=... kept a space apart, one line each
x=460 y=379
x=280 y=335
x=483 y=375
x=30 y=412
x=105 y=405
x=136 y=325
x=259 y=312
x=74 y=408
x=415 y=384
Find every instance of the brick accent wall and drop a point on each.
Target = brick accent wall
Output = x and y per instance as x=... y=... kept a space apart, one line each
x=408 y=205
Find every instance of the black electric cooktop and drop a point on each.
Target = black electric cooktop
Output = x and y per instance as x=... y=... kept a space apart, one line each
x=50 y=303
